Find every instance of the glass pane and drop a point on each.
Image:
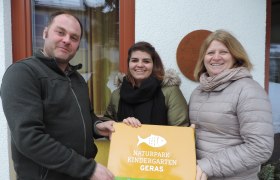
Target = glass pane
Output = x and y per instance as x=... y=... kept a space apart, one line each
x=99 y=48
x=274 y=84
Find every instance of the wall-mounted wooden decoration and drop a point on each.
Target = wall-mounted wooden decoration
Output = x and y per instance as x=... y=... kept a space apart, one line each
x=188 y=50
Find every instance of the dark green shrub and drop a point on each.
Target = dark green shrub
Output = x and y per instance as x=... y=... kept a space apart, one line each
x=270 y=171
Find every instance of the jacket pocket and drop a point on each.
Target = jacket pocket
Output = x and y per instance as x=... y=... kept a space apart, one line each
x=44 y=173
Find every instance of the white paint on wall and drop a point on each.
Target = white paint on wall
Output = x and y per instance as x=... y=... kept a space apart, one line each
x=5 y=59
x=165 y=23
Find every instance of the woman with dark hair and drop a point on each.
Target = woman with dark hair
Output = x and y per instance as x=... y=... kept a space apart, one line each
x=147 y=94
x=231 y=112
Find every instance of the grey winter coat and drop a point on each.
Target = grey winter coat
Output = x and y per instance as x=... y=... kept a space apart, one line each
x=234 y=133
x=174 y=100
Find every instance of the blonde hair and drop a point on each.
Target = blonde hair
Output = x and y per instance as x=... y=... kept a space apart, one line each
x=234 y=46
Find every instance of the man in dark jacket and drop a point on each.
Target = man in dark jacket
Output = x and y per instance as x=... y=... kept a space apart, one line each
x=46 y=104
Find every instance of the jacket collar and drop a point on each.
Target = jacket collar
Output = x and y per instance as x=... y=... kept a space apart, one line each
x=51 y=63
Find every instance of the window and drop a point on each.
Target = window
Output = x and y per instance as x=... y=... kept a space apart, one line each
x=99 y=47
x=108 y=32
x=274 y=85
x=274 y=78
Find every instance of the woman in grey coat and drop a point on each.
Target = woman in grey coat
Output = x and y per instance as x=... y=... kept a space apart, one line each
x=231 y=112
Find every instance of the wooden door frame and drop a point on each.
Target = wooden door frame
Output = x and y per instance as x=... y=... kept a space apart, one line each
x=21 y=29
x=267 y=45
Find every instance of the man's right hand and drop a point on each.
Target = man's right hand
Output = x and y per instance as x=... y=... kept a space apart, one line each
x=102 y=173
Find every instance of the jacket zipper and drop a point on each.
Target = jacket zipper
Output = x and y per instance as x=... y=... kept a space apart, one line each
x=80 y=109
x=44 y=173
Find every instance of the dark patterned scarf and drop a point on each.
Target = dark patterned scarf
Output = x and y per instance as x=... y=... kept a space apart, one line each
x=146 y=103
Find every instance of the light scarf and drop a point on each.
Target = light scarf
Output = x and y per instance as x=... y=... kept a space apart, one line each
x=222 y=80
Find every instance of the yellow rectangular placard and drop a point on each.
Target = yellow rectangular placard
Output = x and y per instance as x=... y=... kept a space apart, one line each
x=152 y=152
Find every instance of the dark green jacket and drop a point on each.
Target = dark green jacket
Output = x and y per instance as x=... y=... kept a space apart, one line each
x=51 y=120
x=176 y=104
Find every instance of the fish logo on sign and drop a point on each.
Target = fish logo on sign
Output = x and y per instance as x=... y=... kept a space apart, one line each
x=152 y=140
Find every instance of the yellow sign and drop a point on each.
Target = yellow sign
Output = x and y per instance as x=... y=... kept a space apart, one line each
x=152 y=152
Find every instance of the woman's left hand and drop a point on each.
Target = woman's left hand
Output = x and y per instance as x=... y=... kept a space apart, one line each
x=132 y=121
